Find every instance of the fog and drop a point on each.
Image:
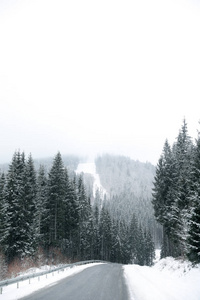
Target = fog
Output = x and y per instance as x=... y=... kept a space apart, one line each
x=89 y=77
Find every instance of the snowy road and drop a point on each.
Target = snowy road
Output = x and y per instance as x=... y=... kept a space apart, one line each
x=101 y=282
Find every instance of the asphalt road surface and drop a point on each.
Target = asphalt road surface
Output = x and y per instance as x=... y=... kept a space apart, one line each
x=101 y=282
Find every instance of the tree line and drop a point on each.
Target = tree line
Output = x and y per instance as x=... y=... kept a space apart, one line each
x=176 y=196
x=52 y=211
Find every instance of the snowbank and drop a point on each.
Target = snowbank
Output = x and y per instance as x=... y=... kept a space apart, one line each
x=11 y=292
x=168 y=279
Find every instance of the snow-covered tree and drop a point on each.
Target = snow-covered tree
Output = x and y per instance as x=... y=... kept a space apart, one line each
x=105 y=234
x=30 y=200
x=42 y=212
x=20 y=209
x=85 y=220
x=56 y=199
x=174 y=192
x=194 y=213
x=149 y=249
x=71 y=218
x=164 y=197
x=3 y=215
x=183 y=151
x=133 y=238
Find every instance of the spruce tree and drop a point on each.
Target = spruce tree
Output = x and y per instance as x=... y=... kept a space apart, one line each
x=194 y=215
x=71 y=217
x=164 y=197
x=19 y=225
x=105 y=234
x=124 y=241
x=42 y=211
x=56 y=199
x=149 y=249
x=71 y=207
x=116 y=251
x=85 y=221
x=3 y=215
x=140 y=250
x=133 y=239
x=31 y=199
x=183 y=151
x=96 y=239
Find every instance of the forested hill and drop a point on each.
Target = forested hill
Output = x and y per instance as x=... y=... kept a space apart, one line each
x=129 y=186
x=119 y=174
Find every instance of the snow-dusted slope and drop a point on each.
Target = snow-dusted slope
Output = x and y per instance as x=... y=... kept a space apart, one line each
x=169 y=279
x=90 y=168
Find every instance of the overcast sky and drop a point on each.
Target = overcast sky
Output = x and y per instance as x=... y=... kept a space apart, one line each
x=89 y=77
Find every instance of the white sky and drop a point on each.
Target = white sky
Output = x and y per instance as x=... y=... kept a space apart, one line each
x=87 y=77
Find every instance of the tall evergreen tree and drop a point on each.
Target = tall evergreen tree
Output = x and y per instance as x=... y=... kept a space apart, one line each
x=140 y=254
x=124 y=241
x=194 y=224
x=105 y=234
x=149 y=249
x=133 y=239
x=96 y=238
x=164 y=198
x=3 y=214
x=19 y=225
x=183 y=151
x=116 y=249
x=42 y=212
x=85 y=220
x=71 y=219
x=31 y=199
x=56 y=199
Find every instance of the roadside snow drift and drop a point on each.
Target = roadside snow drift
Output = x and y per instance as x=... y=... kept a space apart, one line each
x=168 y=279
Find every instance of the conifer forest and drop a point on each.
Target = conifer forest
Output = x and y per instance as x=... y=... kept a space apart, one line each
x=46 y=213
x=50 y=212
x=176 y=197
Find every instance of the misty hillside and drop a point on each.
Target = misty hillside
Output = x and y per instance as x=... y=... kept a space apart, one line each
x=120 y=173
x=129 y=186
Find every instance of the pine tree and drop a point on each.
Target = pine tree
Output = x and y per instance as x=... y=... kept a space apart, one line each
x=85 y=221
x=71 y=207
x=3 y=215
x=56 y=199
x=183 y=151
x=149 y=249
x=124 y=241
x=164 y=198
x=116 y=249
x=96 y=238
x=71 y=217
x=19 y=222
x=140 y=250
x=42 y=212
x=105 y=234
x=194 y=223
x=30 y=200
x=133 y=239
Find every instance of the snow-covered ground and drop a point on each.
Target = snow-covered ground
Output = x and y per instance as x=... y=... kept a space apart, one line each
x=168 y=279
x=11 y=292
x=90 y=168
